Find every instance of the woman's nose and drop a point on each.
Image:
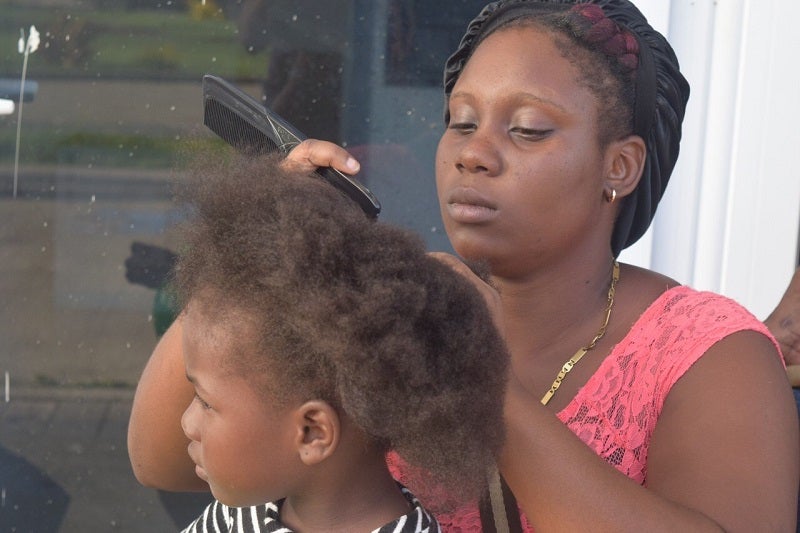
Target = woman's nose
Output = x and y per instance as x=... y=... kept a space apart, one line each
x=478 y=154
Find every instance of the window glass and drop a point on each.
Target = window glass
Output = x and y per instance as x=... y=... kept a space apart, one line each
x=94 y=123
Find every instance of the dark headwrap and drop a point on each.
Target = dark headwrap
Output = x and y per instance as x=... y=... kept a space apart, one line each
x=660 y=102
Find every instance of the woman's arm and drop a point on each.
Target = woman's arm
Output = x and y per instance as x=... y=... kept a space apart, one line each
x=724 y=456
x=156 y=443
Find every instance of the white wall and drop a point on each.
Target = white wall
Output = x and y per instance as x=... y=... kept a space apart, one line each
x=729 y=220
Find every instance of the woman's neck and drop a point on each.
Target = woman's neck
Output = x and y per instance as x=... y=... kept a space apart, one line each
x=548 y=308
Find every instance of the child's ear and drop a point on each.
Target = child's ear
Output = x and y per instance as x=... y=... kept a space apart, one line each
x=625 y=160
x=318 y=431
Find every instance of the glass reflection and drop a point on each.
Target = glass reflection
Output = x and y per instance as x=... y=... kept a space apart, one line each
x=112 y=106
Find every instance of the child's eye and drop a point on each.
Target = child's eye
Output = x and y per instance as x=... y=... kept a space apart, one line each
x=202 y=402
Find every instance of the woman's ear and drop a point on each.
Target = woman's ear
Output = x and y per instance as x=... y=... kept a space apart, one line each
x=318 y=431
x=625 y=164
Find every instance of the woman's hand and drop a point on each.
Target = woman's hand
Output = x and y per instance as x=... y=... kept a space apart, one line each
x=490 y=294
x=312 y=154
x=784 y=322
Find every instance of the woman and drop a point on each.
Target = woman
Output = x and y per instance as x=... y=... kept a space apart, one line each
x=674 y=413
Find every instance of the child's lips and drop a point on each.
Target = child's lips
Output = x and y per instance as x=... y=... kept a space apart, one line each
x=201 y=473
x=198 y=468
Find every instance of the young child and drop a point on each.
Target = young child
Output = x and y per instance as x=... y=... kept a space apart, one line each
x=317 y=340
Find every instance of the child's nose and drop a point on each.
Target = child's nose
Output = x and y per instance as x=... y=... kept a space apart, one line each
x=188 y=422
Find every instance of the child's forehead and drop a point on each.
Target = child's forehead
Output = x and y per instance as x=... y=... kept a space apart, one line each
x=220 y=319
x=227 y=340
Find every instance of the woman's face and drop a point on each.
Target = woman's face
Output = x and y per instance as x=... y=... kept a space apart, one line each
x=519 y=168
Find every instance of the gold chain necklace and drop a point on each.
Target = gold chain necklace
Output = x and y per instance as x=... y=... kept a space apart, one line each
x=572 y=361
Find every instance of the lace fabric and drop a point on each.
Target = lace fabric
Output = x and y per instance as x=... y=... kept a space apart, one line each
x=616 y=411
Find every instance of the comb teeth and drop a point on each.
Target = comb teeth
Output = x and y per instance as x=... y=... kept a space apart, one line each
x=235 y=129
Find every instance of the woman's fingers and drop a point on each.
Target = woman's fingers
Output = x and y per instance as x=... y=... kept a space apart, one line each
x=489 y=293
x=314 y=153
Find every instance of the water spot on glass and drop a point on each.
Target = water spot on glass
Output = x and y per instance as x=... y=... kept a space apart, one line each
x=249 y=48
x=128 y=345
x=44 y=224
x=294 y=18
x=213 y=59
x=66 y=37
x=172 y=108
x=44 y=249
x=93 y=199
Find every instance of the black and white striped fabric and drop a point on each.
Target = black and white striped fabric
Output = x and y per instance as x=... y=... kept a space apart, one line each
x=219 y=518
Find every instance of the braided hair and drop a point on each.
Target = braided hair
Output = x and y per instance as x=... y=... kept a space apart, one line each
x=631 y=69
x=348 y=310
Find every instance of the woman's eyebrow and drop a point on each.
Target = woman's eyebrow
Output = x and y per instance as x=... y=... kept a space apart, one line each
x=520 y=95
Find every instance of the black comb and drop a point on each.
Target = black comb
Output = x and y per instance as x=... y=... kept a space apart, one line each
x=252 y=128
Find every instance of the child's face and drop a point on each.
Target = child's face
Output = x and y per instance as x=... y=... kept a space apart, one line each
x=242 y=445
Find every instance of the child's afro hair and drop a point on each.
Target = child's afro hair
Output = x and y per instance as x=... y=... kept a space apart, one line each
x=350 y=310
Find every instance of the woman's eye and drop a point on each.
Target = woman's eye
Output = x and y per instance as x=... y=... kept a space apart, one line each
x=531 y=133
x=463 y=127
x=201 y=401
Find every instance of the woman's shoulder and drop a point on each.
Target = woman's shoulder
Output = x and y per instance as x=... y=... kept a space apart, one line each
x=678 y=324
x=661 y=301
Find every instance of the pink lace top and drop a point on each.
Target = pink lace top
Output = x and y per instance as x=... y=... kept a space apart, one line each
x=616 y=411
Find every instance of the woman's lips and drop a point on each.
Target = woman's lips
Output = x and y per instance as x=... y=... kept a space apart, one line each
x=468 y=206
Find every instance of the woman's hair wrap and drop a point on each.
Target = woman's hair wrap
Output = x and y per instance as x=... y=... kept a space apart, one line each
x=661 y=91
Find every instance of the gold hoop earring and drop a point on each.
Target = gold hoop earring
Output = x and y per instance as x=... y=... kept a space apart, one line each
x=610 y=198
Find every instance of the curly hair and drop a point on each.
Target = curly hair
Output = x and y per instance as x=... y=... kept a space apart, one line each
x=352 y=311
